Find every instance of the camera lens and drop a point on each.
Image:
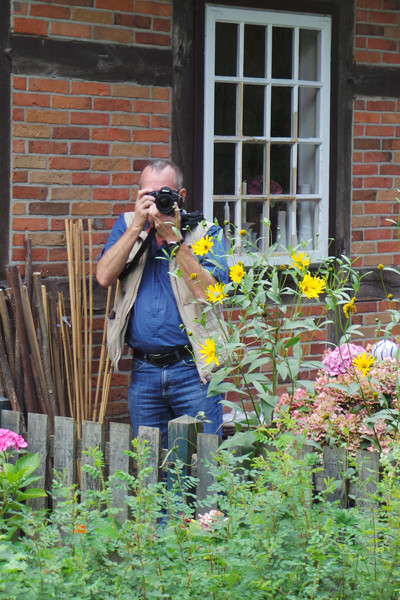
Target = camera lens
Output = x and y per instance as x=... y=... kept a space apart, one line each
x=165 y=203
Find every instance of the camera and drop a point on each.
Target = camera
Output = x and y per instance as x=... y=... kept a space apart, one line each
x=165 y=200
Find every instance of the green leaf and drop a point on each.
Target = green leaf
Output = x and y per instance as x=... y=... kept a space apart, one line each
x=241 y=438
x=29 y=462
x=292 y=342
x=31 y=493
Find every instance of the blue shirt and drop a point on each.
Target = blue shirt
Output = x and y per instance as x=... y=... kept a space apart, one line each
x=155 y=322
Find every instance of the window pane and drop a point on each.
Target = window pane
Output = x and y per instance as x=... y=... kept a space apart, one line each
x=224 y=169
x=253 y=168
x=280 y=166
x=306 y=212
x=279 y=224
x=252 y=223
x=225 y=48
x=225 y=109
x=281 y=112
x=306 y=169
x=309 y=55
x=225 y=213
x=254 y=51
x=308 y=102
x=253 y=110
x=282 y=52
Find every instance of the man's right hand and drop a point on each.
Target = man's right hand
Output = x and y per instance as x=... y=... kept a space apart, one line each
x=142 y=207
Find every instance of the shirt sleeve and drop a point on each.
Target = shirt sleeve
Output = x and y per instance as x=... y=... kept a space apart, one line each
x=116 y=232
x=215 y=260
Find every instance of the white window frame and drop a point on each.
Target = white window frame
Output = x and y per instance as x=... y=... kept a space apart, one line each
x=242 y=16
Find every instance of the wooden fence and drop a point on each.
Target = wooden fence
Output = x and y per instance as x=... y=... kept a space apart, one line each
x=64 y=452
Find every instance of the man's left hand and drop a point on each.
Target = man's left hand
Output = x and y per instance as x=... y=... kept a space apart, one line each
x=167 y=226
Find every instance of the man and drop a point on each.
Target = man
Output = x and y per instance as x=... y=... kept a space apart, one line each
x=160 y=303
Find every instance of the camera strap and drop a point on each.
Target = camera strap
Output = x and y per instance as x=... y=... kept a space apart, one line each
x=188 y=221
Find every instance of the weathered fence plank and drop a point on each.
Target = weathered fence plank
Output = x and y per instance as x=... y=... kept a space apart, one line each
x=207 y=445
x=182 y=438
x=92 y=437
x=12 y=420
x=120 y=440
x=65 y=443
x=334 y=465
x=153 y=438
x=368 y=477
x=38 y=439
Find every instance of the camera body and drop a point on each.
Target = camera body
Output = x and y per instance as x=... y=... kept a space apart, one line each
x=165 y=200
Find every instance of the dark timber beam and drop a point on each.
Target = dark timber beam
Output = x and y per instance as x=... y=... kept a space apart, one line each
x=5 y=117
x=375 y=81
x=92 y=61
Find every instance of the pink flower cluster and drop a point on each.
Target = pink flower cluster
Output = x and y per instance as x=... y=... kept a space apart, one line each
x=339 y=360
x=208 y=519
x=10 y=439
x=333 y=413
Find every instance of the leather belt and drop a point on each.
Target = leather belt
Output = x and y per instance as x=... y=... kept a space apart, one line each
x=161 y=359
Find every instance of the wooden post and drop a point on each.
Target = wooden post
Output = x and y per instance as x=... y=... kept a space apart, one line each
x=182 y=440
x=120 y=440
x=39 y=441
x=367 y=478
x=207 y=445
x=153 y=436
x=12 y=420
x=334 y=463
x=65 y=448
x=92 y=437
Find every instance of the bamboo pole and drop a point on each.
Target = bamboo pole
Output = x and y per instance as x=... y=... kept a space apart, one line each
x=85 y=349
x=102 y=355
x=55 y=339
x=8 y=336
x=67 y=354
x=90 y=283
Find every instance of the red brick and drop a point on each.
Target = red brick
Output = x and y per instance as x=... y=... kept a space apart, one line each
x=160 y=151
x=72 y=30
x=158 y=93
x=29 y=192
x=381 y=105
x=50 y=12
x=89 y=209
x=90 y=179
x=365 y=117
x=130 y=120
x=378 y=182
x=391 y=144
x=389 y=170
x=20 y=177
x=88 y=3
x=49 y=85
x=382 y=44
x=391 y=59
x=365 y=169
x=388 y=118
x=34 y=26
x=19 y=83
x=133 y=150
x=46 y=116
x=71 y=133
x=89 y=148
x=124 y=90
x=117 y=5
x=360 y=42
x=358 y=131
x=125 y=179
x=162 y=25
x=359 y=104
x=69 y=163
x=18 y=146
x=357 y=157
x=143 y=106
x=133 y=21
x=18 y=114
x=367 y=144
x=142 y=135
x=77 y=103
x=392 y=247
x=364 y=56
x=152 y=39
x=42 y=147
x=386 y=17
x=92 y=16
x=31 y=100
x=379 y=130
x=378 y=208
x=113 y=34
x=111 y=134
x=377 y=234
x=91 y=89
x=111 y=104
x=48 y=208
x=153 y=8
x=370 y=30
x=158 y=121
x=377 y=156
x=58 y=254
x=89 y=118
x=29 y=224
x=111 y=164
x=110 y=193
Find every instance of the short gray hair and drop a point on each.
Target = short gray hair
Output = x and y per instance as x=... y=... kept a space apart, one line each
x=160 y=164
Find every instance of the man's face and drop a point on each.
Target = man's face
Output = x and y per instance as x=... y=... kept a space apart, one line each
x=155 y=180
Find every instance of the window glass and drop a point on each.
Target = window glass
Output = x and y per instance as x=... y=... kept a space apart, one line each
x=254 y=51
x=225 y=48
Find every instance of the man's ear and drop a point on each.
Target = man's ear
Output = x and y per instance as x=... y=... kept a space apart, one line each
x=182 y=193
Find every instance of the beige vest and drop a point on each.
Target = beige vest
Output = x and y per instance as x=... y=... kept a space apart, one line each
x=191 y=310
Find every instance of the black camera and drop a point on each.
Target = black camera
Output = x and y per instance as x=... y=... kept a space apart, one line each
x=165 y=200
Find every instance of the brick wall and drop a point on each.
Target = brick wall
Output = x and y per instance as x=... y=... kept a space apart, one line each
x=377 y=35
x=138 y=22
x=77 y=150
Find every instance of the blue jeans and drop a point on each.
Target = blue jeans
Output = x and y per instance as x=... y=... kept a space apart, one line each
x=158 y=394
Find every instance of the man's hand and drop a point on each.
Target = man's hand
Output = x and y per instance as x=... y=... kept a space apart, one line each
x=167 y=226
x=143 y=204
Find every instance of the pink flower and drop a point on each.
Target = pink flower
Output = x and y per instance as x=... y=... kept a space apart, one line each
x=339 y=360
x=9 y=439
x=207 y=519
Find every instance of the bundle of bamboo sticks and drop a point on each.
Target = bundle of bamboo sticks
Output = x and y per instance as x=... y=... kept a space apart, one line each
x=55 y=349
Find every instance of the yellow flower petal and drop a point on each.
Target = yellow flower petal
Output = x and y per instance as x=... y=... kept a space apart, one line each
x=215 y=293
x=203 y=246
x=236 y=272
x=208 y=351
x=363 y=363
x=311 y=286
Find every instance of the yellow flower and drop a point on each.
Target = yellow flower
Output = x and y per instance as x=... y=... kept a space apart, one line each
x=193 y=276
x=236 y=272
x=242 y=232
x=312 y=286
x=349 y=307
x=208 y=350
x=390 y=296
x=363 y=363
x=215 y=293
x=203 y=246
x=381 y=267
x=301 y=260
